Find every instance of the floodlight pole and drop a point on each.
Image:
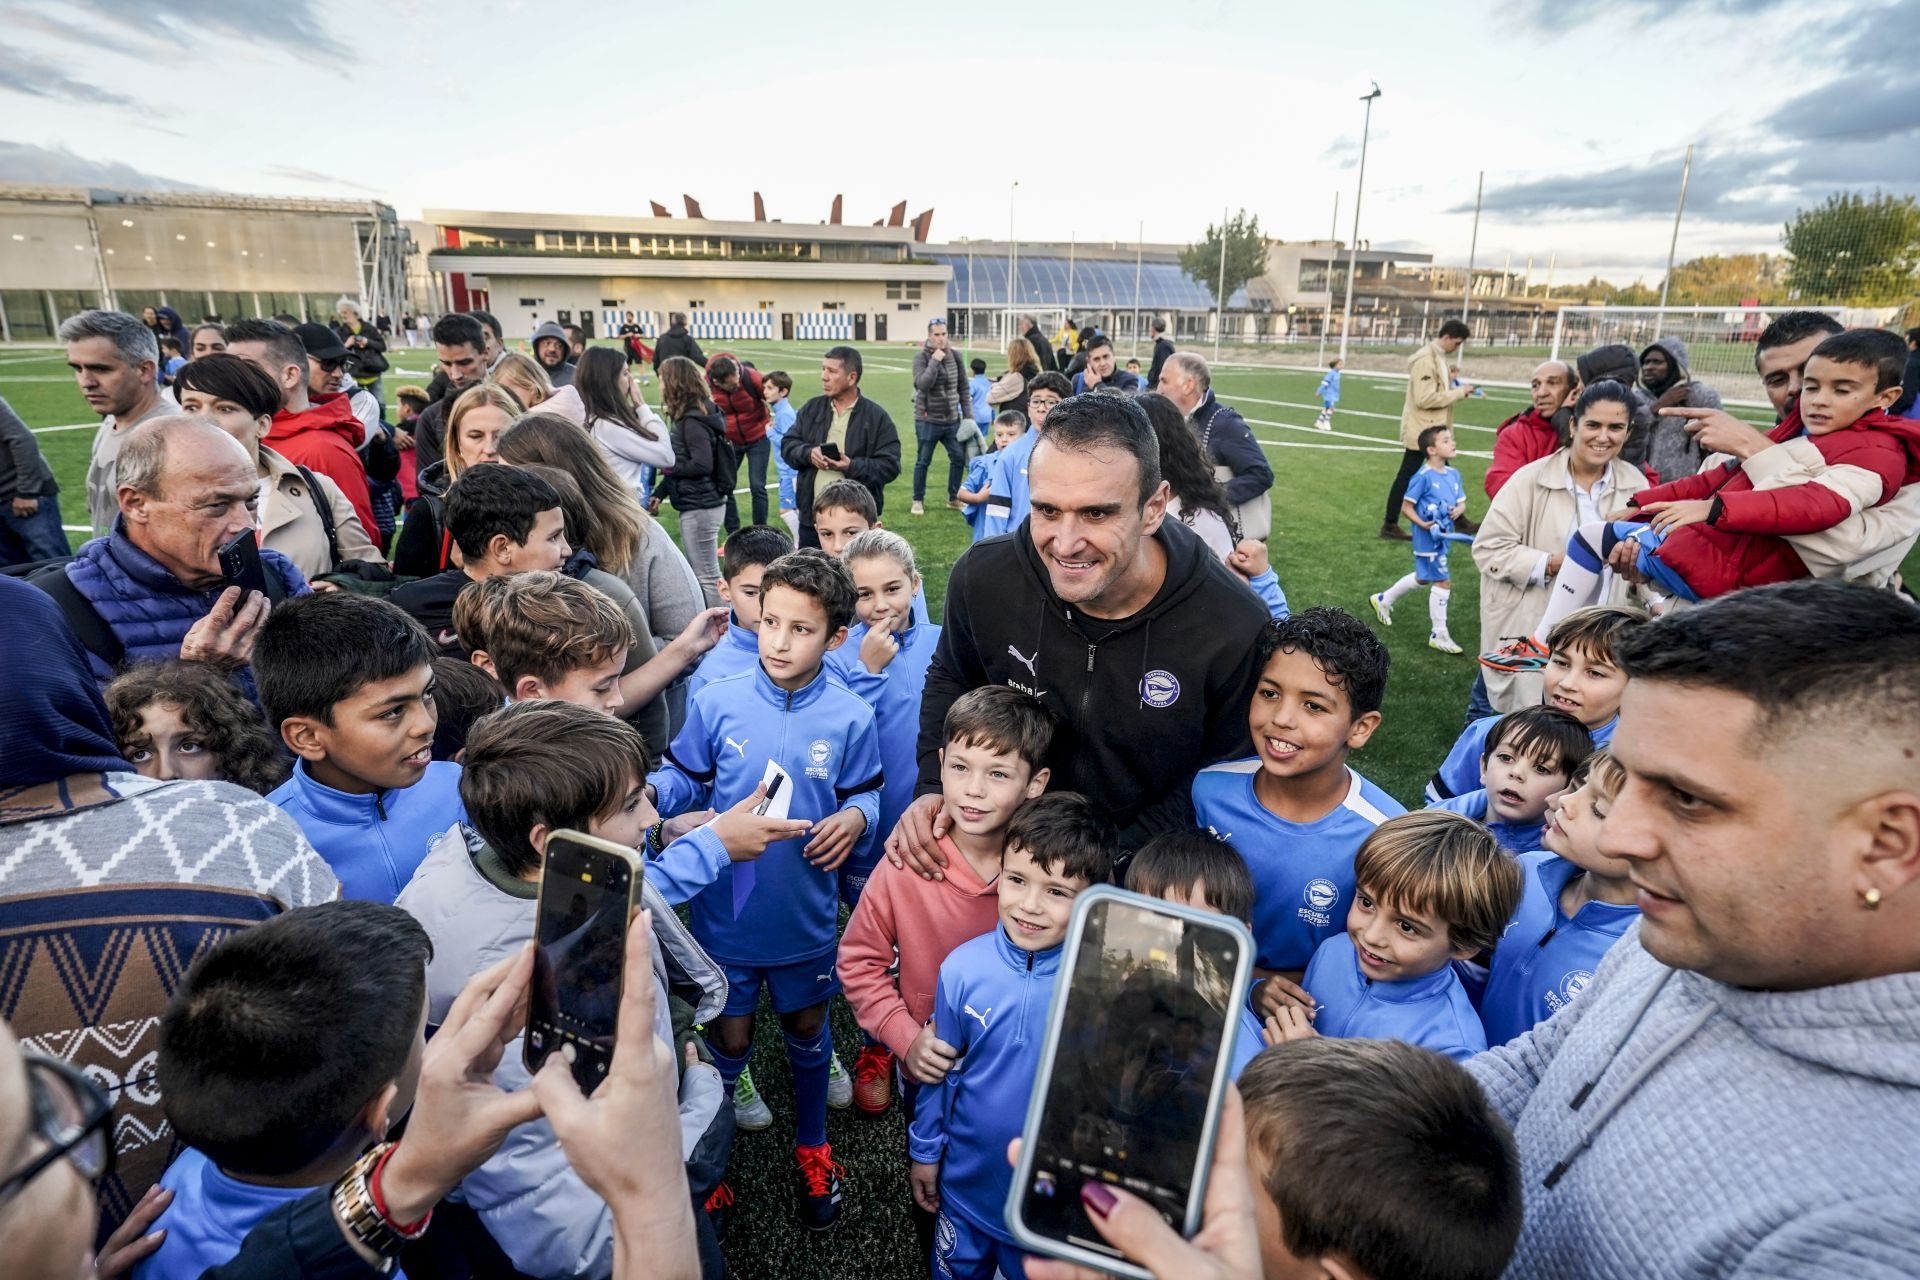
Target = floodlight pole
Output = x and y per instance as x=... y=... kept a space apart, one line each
x=1359 y=188
x=1686 y=172
x=1013 y=252
x=1072 y=243
x=1333 y=242
x=1473 y=247
x=1220 y=290
x=970 y=320
x=1139 y=256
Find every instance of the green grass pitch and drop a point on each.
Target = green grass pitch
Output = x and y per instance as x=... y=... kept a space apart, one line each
x=1328 y=495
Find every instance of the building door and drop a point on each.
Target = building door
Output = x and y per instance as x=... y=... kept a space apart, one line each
x=860 y=326
x=786 y=326
x=879 y=326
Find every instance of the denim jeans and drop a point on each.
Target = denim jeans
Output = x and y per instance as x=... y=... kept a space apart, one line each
x=1479 y=702
x=756 y=455
x=700 y=535
x=928 y=434
x=26 y=539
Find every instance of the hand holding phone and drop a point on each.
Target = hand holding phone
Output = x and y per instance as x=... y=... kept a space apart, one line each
x=831 y=451
x=1145 y=1008
x=588 y=890
x=240 y=563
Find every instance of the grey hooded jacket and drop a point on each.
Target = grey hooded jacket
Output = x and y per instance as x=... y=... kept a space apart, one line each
x=1672 y=1126
x=1671 y=450
x=535 y=1206
x=562 y=376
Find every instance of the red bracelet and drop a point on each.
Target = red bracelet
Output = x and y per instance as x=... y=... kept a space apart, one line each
x=408 y=1229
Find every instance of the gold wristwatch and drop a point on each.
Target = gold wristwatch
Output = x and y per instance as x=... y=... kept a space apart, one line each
x=353 y=1203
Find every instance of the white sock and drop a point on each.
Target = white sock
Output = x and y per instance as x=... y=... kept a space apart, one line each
x=1437 y=609
x=1578 y=582
x=1399 y=589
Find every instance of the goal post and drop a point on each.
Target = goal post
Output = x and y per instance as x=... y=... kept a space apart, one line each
x=1720 y=340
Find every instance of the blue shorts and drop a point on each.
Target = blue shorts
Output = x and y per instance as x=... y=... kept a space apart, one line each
x=791 y=987
x=858 y=869
x=963 y=1250
x=1649 y=540
x=1431 y=566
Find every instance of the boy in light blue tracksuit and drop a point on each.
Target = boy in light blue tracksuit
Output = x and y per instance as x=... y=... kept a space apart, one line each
x=1527 y=761
x=777 y=390
x=745 y=557
x=1390 y=976
x=1009 y=500
x=365 y=789
x=773 y=922
x=1575 y=904
x=889 y=678
x=991 y=1004
x=1329 y=394
x=977 y=387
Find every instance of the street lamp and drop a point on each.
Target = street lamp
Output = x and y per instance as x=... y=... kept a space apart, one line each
x=1013 y=252
x=1353 y=247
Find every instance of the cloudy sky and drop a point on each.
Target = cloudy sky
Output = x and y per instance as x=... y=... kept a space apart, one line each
x=1108 y=116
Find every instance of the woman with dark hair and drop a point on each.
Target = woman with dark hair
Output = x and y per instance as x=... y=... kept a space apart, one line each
x=208 y=339
x=303 y=514
x=618 y=419
x=624 y=540
x=1523 y=537
x=1198 y=500
x=704 y=465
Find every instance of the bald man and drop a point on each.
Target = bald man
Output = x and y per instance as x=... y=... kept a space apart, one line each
x=1531 y=435
x=153 y=588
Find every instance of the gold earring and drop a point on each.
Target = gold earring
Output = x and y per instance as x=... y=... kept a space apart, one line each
x=1871 y=899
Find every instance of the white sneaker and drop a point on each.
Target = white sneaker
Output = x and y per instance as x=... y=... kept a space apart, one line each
x=919 y=509
x=1443 y=642
x=1323 y=424
x=1381 y=609
x=750 y=1110
x=839 y=1085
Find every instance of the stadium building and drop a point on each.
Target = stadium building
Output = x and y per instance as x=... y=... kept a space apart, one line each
x=765 y=279
x=64 y=250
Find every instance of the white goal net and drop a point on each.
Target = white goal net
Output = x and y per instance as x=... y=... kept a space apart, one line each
x=1720 y=340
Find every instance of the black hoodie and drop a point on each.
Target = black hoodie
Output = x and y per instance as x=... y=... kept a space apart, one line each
x=1144 y=702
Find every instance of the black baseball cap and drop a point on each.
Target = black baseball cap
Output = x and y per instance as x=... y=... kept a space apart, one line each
x=321 y=342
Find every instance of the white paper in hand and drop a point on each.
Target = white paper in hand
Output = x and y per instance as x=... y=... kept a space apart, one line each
x=779 y=799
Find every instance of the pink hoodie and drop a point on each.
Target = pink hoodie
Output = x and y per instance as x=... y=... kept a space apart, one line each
x=926 y=919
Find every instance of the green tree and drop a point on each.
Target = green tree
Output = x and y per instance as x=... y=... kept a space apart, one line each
x=1246 y=255
x=1855 y=249
x=1729 y=278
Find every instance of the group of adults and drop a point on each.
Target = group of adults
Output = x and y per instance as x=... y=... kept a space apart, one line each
x=1552 y=472
x=1775 y=844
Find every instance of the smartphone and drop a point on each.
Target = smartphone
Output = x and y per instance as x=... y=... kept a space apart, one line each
x=240 y=564
x=1133 y=1072
x=831 y=450
x=589 y=889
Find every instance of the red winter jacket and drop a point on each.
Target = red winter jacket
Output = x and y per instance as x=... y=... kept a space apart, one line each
x=326 y=438
x=1523 y=438
x=1744 y=543
x=747 y=415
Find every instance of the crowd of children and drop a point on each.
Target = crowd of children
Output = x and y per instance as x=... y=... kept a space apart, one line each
x=429 y=744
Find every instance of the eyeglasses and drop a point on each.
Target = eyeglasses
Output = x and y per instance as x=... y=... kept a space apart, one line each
x=72 y=1115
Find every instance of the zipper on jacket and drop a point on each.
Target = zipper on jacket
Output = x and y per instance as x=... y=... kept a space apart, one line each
x=1086 y=690
x=379 y=807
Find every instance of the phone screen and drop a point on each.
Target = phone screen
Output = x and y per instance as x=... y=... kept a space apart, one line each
x=1136 y=1077
x=580 y=936
x=831 y=451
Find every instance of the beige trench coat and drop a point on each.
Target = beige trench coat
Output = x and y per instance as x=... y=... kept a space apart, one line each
x=1531 y=517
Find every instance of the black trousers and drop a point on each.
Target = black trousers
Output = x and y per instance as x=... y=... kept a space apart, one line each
x=809 y=537
x=1410 y=463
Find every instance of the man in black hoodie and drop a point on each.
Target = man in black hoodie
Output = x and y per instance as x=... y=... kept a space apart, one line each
x=1119 y=620
x=676 y=341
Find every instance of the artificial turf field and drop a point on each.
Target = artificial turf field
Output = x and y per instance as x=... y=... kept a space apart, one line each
x=1328 y=494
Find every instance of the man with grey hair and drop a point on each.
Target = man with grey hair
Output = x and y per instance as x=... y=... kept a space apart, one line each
x=115 y=359
x=1238 y=461
x=153 y=588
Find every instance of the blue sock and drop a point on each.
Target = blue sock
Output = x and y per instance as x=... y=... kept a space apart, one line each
x=730 y=1066
x=809 y=1058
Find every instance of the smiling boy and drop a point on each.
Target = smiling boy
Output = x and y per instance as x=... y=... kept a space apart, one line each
x=1296 y=810
x=1430 y=888
x=994 y=995
x=347 y=681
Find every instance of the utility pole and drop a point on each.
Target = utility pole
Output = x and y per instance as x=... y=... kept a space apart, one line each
x=1220 y=302
x=1359 y=188
x=1686 y=172
x=1333 y=243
